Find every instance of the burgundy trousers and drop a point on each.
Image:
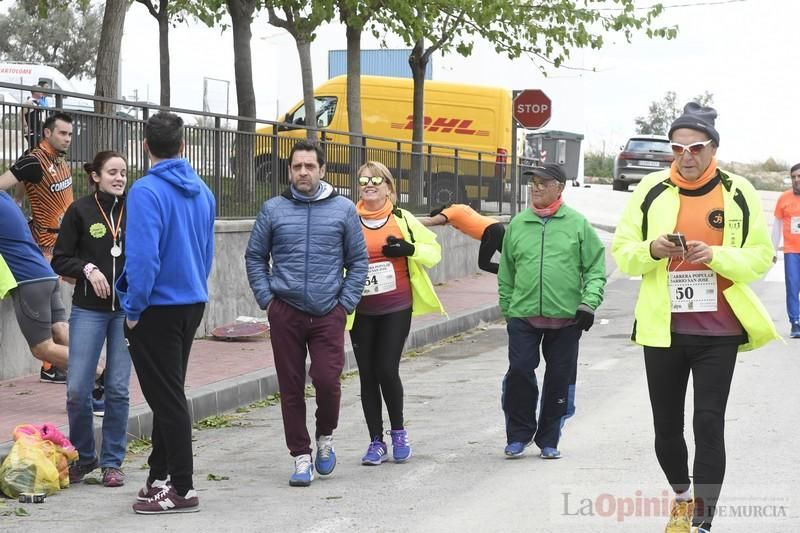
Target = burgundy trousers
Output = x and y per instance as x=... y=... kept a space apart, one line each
x=294 y=334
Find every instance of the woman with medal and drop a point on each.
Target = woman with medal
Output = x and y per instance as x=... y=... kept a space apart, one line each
x=90 y=248
x=397 y=287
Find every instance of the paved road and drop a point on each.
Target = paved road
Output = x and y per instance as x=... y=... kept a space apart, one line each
x=458 y=479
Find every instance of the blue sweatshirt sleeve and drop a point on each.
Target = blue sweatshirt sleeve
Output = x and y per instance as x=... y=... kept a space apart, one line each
x=356 y=262
x=142 y=257
x=256 y=258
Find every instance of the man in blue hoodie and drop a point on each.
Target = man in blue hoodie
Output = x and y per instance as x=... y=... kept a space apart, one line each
x=163 y=290
x=306 y=264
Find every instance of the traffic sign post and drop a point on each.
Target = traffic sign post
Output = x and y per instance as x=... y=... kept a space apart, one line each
x=531 y=109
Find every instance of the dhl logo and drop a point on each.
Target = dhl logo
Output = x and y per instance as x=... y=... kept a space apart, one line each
x=443 y=125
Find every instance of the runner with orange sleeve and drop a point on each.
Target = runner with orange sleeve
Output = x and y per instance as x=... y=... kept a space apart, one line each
x=787 y=225
x=469 y=222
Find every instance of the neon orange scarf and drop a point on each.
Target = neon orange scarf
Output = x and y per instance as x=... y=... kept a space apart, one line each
x=383 y=212
x=683 y=183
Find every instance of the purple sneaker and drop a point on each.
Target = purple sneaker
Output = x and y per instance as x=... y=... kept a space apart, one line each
x=401 y=447
x=376 y=453
x=113 y=477
x=78 y=471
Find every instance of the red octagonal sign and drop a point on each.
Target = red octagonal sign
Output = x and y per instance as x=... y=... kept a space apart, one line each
x=532 y=108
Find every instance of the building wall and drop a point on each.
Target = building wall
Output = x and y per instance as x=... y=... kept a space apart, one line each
x=382 y=62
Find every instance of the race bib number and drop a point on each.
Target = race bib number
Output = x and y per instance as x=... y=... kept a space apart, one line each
x=380 y=279
x=794 y=227
x=693 y=291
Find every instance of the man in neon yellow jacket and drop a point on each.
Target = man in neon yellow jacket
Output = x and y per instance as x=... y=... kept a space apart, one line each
x=697 y=237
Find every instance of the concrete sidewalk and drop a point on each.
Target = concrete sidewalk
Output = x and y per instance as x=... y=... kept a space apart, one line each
x=225 y=375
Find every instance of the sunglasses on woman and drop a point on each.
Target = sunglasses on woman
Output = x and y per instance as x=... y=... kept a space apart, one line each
x=694 y=148
x=366 y=180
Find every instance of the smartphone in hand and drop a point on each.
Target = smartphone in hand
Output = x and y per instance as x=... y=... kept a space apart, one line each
x=678 y=239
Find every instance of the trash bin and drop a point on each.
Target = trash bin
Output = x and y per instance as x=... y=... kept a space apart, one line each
x=560 y=147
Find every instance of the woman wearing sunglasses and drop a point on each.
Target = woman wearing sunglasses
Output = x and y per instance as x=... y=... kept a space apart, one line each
x=397 y=286
x=90 y=250
x=696 y=235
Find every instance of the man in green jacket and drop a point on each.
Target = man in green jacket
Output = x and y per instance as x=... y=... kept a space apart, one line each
x=551 y=280
x=697 y=237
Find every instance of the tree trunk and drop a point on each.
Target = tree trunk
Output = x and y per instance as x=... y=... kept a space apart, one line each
x=416 y=188
x=356 y=155
x=163 y=51
x=354 y=80
x=307 y=74
x=241 y=12
x=107 y=75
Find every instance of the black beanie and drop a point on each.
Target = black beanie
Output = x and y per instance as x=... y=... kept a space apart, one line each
x=697 y=117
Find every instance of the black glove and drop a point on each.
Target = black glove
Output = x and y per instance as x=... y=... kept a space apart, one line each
x=438 y=210
x=395 y=247
x=27 y=168
x=584 y=317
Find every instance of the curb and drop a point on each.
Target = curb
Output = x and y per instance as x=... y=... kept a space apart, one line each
x=239 y=391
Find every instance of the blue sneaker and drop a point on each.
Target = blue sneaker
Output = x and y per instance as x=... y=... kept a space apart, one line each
x=550 y=453
x=401 y=448
x=326 y=457
x=795 y=334
x=376 y=453
x=516 y=449
x=303 y=471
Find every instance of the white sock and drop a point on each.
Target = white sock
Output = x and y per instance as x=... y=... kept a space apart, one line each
x=684 y=496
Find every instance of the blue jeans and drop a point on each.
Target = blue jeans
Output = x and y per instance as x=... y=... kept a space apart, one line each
x=520 y=396
x=88 y=330
x=791 y=266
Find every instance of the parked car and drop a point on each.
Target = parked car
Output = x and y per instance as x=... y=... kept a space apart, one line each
x=641 y=155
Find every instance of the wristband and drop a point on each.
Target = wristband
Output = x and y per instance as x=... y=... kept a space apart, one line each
x=88 y=269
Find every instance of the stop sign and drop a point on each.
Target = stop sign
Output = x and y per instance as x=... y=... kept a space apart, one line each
x=532 y=108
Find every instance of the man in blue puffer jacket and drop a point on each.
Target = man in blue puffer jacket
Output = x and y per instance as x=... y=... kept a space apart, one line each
x=307 y=263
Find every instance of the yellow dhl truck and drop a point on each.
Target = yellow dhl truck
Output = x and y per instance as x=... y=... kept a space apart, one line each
x=467 y=135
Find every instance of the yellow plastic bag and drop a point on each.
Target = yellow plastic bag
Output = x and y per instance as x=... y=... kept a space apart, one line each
x=30 y=467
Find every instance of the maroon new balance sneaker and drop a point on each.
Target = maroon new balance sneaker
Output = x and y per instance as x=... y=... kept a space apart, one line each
x=151 y=491
x=169 y=501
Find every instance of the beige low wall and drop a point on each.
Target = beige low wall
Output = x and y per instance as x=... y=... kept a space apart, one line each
x=229 y=292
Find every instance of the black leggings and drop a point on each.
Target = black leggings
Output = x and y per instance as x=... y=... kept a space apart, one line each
x=491 y=242
x=667 y=377
x=378 y=342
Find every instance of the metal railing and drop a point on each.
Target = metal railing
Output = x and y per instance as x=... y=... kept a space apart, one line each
x=243 y=169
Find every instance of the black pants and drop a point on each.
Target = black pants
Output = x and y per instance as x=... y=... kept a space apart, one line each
x=378 y=342
x=159 y=346
x=520 y=397
x=491 y=242
x=667 y=377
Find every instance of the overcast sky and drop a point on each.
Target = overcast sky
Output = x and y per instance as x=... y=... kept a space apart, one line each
x=740 y=51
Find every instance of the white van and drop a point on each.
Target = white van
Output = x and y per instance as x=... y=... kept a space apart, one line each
x=32 y=74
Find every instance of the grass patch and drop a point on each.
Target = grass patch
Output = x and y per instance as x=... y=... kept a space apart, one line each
x=215 y=477
x=139 y=445
x=348 y=375
x=218 y=421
